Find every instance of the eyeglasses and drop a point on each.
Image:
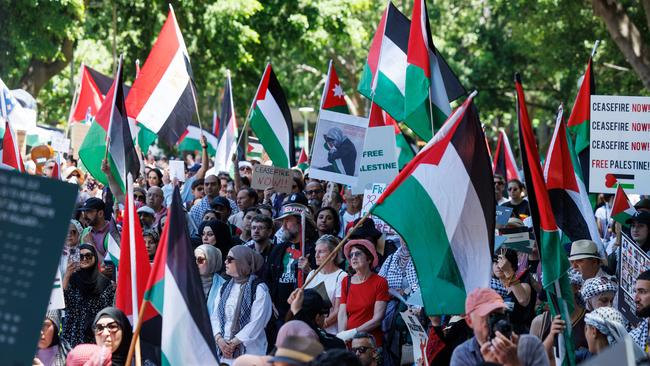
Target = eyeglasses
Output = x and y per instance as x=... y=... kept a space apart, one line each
x=200 y=260
x=361 y=350
x=315 y=191
x=86 y=256
x=139 y=197
x=498 y=183
x=230 y=259
x=112 y=327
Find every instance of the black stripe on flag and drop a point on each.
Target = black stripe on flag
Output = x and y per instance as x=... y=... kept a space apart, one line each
x=121 y=142
x=226 y=110
x=624 y=176
x=567 y=215
x=104 y=82
x=469 y=142
x=278 y=95
x=398 y=28
x=179 y=118
x=182 y=265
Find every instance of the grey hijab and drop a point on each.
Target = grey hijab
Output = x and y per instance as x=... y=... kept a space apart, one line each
x=248 y=261
x=213 y=265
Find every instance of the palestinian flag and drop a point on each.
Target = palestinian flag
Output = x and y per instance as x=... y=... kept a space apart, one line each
x=623 y=208
x=385 y=74
x=449 y=184
x=303 y=160
x=111 y=127
x=174 y=291
x=504 y=160
x=404 y=149
x=567 y=194
x=93 y=87
x=134 y=270
x=10 y=153
x=161 y=98
x=227 y=131
x=333 y=98
x=578 y=124
x=191 y=140
x=555 y=262
x=271 y=121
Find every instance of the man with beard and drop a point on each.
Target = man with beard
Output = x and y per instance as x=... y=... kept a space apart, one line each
x=282 y=270
x=642 y=301
x=98 y=228
x=211 y=187
x=314 y=192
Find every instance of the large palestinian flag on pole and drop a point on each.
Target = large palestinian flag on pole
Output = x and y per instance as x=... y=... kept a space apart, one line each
x=161 y=98
x=270 y=119
x=92 y=89
x=555 y=262
x=191 y=140
x=567 y=193
x=449 y=185
x=111 y=128
x=505 y=164
x=175 y=292
x=227 y=130
x=333 y=98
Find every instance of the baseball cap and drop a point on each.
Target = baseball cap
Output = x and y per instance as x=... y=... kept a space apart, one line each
x=295 y=209
x=584 y=248
x=643 y=204
x=220 y=202
x=92 y=203
x=147 y=210
x=640 y=216
x=297 y=197
x=483 y=301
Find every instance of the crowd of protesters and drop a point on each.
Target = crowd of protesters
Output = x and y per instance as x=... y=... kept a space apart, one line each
x=254 y=250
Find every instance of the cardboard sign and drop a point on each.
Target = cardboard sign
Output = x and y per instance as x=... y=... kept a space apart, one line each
x=379 y=160
x=60 y=144
x=265 y=176
x=370 y=196
x=34 y=221
x=338 y=147
x=619 y=143
x=177 y=170
x=418 y=336
x=632 y=262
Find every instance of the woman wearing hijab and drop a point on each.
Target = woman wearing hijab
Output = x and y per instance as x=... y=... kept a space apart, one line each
x=341 y=152
x=52 y=350
x=208 y=259
x=86 y=292
x=215 y=233
x=113 y=330
x=243 y=307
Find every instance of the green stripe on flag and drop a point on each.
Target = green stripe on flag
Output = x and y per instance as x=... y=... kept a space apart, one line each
x=146 y=138
x=93 y=150
x=269 y=140
x=434 y=263
x=156 y=295
x=624 y=185
x=581 y=133
x=389 y=97
x=417 y=89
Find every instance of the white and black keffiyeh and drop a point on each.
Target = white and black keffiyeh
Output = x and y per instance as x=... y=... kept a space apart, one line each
x=609 y=322
x=596 y=286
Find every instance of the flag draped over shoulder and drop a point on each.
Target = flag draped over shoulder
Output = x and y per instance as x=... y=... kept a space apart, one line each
x=175 y=292
x=622 y=208
x=161 y=99
x=449 y=184
x=567 y=193
x=270 y=119
x=227 y=130
x=555 y=263
x=504 y=160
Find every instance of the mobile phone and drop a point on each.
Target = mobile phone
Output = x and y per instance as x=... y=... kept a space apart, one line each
x=74 y=255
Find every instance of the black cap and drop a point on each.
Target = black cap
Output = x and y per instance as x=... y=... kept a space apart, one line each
x=643 y=204
x=640 y=216
x=93 y=204
x=220 y=202
x=366 y=230
x=314 y=303
x=297 y=197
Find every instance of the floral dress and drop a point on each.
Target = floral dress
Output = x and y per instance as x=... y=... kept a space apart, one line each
x=80 y=312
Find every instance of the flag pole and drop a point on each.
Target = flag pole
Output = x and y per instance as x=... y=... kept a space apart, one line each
x=320 y=108
x=196 y=106
x=110 y=120
x=75 y=98
x=338 y=247
x=593 y=50
x=136 y=333
x=250 y=109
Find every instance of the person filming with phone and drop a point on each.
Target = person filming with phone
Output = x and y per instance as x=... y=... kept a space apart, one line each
x=494 y=341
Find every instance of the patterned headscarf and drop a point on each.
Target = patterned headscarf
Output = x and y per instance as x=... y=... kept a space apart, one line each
x=609 y=322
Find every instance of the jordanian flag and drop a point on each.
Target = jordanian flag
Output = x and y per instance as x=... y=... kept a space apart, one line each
x=505 y=164
x=226 y=131
x=92 y=89
x=403 y=148
x=449 y=184
x=174 y=291
x=111 y=127
x=333 y=98
x=578 y=124
x=622 y=209
x=271 y=121
x=555 y=263
x=567 y=193
x=191 y=140
x=161 y=97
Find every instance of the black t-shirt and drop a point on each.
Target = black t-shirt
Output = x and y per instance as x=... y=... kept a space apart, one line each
x=520 y=211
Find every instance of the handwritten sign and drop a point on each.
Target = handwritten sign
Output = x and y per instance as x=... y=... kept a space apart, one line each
x=419 y=337
x=619 y=144
x=370 y=196
x=379 y=158
x=33 y=225
x=265 y=176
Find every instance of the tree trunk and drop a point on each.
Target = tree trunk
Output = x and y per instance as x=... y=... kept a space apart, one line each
x=39 y=72
x=626 y=35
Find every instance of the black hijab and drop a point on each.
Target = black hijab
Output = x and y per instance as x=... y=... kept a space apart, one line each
x=89 y=281
x=221 y=232
x=119 y=356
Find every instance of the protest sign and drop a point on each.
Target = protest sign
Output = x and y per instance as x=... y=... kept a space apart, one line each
x=503 y=215
x=265 y=176
x=338 y=147
x=177 y=170
x=632 y=262
x=78 y=132
x=33 y=225
x=418 y=336
x=517 y=238
x=378 y=160
x=370 y=196
x=619 y=143
x=57 y=300
x=60 y=144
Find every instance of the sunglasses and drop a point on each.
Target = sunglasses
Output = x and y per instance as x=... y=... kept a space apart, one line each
x=315 y=191
x=229 y=259
x=200 y=260
x=513 y=189
x=361 y=350
x=86 y=256
x=139 y=197
x=245 y=168
x=498 y=183
x=112 y=327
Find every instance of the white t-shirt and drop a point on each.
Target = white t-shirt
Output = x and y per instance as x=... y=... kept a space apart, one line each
x=332 y=286
x=604 y=213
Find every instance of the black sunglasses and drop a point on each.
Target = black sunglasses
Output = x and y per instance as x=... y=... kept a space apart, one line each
x=230 y=259
x=86 y=256
x=361 y=350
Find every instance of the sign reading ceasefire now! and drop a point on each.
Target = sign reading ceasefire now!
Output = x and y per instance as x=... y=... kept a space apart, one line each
x=265 y=176
x=619 y=144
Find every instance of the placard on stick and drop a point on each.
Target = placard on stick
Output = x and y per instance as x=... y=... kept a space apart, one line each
x=34 y=221
x=265 y=176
